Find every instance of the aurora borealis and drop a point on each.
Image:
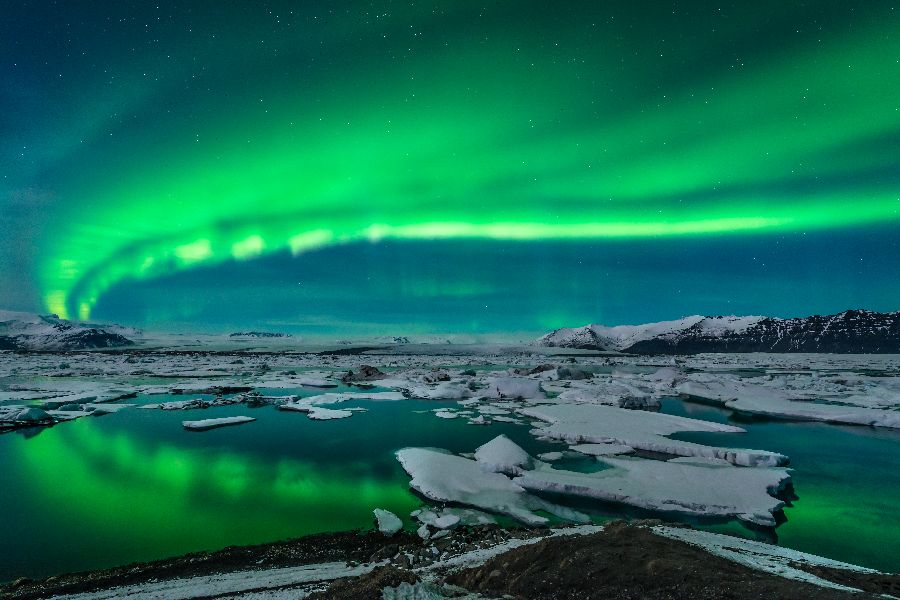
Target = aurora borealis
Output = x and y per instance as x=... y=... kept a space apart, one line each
x=474 y=167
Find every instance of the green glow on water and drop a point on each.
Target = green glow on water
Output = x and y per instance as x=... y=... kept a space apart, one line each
x=135 y=486
x=846 y=479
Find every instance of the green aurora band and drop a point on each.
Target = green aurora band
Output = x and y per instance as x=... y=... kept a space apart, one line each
x=529 y=133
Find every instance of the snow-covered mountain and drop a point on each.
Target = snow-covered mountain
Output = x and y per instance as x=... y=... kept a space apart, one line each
x=25 y=331
x=851 y=331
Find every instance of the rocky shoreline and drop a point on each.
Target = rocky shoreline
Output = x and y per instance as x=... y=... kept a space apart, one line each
x=617 y=561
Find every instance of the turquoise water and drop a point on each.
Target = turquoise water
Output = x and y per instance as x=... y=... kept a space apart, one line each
x=847 y=480
x=135 y=486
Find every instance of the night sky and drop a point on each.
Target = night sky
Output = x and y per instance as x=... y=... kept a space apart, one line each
x=502 y=167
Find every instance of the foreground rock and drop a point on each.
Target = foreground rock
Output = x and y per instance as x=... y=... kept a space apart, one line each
x=639 y=561
x=625 y=562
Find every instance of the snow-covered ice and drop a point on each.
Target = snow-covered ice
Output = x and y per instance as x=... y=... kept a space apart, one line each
x=602 y=449
x=502 y=455
x=784 y=403
x=205 y=424
x=444 y=477
x=597 y=424
x=388 y=522
x=514 y=388
x=682 y=486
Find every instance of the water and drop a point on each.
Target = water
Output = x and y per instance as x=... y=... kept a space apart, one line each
x=135 y=486
x=847 y=480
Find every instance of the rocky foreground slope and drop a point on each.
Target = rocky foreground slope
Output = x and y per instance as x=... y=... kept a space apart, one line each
x=848 y=332
x=645 y=560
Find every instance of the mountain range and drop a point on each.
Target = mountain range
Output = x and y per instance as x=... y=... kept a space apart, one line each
x=849 y=332
x=26 y=331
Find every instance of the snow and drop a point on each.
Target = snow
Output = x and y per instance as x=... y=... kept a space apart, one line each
x=774 y=402
x=514 y=388
x=602 y=449
x=622 y=337
x=550 y=456
x=596 y=424
x=388 y=522
x=335 y=398
x=205 y=424
x=445 y=390
x=449 y=517
x=479 y=556
x=315 y=382
x=759 y=556
x=695 y=488
x=423 y=591
x=30 y=415
x=443 y=477
x=445 y=414
x=316 y=413
x=502 y=455
x=237 y=582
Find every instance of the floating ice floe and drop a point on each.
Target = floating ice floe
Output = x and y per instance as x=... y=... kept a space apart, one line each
x=15 y=416
x=316 y=413
x=337 y=397
x=445 y=414
x=550 y=456
x=521 y=388
x=602 y=449
x=444 y=477
x=388 y=523
x=205 y=424
x=597 y=424
x=694 y=487
x=608 y=391
x=756 y=399
x=691 y=486
x=316 y=382
x=445 y=390
x=768 y=558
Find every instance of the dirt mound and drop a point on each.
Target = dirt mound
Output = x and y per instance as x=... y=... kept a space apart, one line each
x=624 y=563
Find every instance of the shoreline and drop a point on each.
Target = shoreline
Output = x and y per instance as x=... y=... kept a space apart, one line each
x=637 y=559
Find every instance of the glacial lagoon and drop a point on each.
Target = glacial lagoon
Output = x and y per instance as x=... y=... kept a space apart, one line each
x=135 y=486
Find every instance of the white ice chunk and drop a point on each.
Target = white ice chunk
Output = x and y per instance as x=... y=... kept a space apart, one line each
x=502 y=455
x=776 y=403
x=712 y=490
x=596 y=424
x=602 y=449
x=443 y=477
x=388 y=522
x=514 y=388
x=205 y=424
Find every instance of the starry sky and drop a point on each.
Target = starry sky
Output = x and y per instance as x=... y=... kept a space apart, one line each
x=469 y=167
